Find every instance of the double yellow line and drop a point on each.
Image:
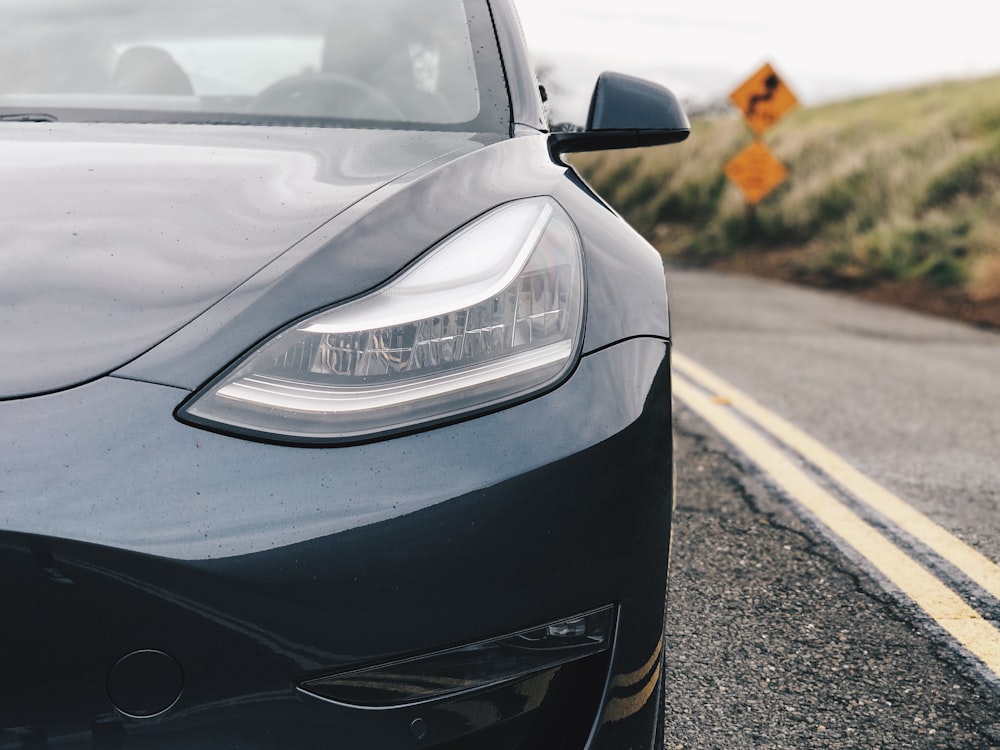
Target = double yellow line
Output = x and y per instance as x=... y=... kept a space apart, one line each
x=747 y=425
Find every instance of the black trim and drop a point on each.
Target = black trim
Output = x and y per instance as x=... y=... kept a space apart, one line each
x=602 y=140
x=525 y=98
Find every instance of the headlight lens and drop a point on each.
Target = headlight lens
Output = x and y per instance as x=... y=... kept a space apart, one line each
x=492 y=314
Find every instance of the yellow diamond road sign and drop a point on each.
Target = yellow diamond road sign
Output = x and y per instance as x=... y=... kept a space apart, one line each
x=756 y=171
x=763 y=99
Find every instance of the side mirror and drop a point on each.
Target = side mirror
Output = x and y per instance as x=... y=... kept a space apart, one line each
x=626 y=112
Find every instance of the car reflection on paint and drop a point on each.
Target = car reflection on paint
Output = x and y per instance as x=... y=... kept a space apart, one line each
x=335 y=406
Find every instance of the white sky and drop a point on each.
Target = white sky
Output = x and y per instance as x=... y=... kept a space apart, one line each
x=701 y=50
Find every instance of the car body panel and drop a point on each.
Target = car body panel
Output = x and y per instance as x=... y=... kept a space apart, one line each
x=165 y=488
x=525 y=98
x=256 y=564
x=375 y=239
x=114 y=288
x=237 y=571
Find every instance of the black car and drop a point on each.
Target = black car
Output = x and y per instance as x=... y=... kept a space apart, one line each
x=334 y=407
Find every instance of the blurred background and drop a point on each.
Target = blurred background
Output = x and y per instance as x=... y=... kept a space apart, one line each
x=893 y=155
x=701 y=50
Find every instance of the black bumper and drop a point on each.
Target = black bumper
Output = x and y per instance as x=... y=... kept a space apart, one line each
x=256 y=567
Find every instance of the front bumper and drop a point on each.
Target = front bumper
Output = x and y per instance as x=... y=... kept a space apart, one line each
x=256 y=568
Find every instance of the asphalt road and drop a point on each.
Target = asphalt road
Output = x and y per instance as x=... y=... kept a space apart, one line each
x=777 y=638
x=910 y=400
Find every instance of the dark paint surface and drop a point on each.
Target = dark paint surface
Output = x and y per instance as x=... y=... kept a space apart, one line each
x=323 y=558
x=124 y=473
x=114 y=236
x=255 y=567
x=376 y=238
x=522 y=85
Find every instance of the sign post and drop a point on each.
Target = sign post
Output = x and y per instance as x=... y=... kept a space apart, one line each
x=763 y=98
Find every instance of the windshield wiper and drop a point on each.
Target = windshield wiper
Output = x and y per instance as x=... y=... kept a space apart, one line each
x=28 y=117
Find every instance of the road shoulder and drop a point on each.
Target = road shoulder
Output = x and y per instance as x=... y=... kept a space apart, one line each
x=777 y=641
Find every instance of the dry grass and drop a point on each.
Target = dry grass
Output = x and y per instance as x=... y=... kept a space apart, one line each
x=900 y=187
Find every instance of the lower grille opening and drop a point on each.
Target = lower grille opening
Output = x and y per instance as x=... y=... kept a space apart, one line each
x=562 y=722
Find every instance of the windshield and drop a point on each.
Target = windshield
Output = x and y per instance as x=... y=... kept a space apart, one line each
x=381 y=62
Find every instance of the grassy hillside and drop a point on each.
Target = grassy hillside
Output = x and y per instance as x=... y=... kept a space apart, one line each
x=893 y=196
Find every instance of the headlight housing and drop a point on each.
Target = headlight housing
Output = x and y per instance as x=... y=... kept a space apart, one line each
x=491 y=315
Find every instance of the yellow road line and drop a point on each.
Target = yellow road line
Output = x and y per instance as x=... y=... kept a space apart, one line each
x=969 y=561
x=964 y=624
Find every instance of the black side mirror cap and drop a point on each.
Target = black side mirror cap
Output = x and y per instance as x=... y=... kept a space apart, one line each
x=626 y=112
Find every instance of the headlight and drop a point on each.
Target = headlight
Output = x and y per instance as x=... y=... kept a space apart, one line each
x=491 y=315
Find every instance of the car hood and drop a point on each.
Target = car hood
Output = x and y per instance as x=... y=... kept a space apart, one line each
x=112 y=237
